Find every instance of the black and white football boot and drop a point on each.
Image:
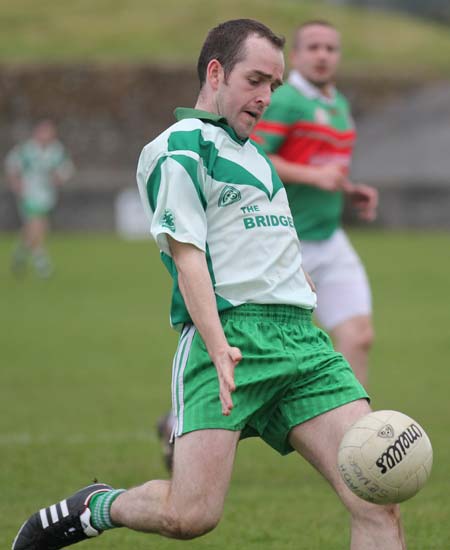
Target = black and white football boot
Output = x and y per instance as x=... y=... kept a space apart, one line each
x=61 y=524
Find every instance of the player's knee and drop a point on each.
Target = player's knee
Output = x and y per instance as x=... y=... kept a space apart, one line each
x=364 y=337
x=190 y=525
x=368 y=337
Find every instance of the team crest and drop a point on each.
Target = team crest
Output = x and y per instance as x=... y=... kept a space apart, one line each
x=386 y=432
x=168 y=220
x=229 y=195
x=321 y=116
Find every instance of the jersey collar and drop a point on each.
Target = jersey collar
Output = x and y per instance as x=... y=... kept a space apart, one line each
x=186 y=112
x=308 y=89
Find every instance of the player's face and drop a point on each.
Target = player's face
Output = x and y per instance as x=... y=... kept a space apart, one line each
x=245 y=94
x=317 y=54
x=44 y=133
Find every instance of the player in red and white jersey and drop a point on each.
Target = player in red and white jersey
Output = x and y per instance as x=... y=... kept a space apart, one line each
x=309 y=134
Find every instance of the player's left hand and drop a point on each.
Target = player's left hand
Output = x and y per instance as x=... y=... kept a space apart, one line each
x=225 y=362
x=364 y=198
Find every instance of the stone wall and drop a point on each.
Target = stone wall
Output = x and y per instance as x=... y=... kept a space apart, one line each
x=105 y=114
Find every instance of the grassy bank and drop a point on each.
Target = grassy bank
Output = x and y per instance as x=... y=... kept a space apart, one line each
x=172 y=32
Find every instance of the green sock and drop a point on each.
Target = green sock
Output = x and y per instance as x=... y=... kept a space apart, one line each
x=100 y=506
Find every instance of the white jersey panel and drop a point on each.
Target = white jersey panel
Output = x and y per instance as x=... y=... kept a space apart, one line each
x=154 y=152
x=259 y=261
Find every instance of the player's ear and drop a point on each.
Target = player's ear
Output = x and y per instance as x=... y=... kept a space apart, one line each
x=214 y=73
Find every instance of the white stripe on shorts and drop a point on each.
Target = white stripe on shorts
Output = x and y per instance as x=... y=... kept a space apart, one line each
x=181 y=359
x=184 y=331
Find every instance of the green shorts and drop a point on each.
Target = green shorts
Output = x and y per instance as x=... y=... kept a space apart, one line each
x=289 y=373
x=31 y=209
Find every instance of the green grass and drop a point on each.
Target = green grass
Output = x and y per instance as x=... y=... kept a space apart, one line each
x=173 y=31
x=85 y=372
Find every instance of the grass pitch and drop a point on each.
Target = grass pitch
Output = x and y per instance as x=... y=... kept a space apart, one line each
x=85 y=372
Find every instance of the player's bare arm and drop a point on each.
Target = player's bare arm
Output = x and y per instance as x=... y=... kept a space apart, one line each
x=197 y=290
x=15 y=182
x=328 y=177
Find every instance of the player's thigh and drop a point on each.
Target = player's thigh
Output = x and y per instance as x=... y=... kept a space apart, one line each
x=318 y=439
x=202 y=468
x=341 y=281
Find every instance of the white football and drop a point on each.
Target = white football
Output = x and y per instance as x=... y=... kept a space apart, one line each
x=385 y=457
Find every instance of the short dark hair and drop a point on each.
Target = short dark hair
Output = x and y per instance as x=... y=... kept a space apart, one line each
x=225 y=43
x=310 y=23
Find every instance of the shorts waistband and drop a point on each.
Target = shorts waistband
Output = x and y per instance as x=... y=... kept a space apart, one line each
x=274 y=312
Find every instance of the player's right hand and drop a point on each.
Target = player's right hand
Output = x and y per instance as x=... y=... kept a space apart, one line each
x=330 y=177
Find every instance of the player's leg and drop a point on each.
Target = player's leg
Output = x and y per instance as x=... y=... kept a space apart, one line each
x=354 y=338
x=344 y=298
x=20 y=255
x=22 y=249
x=317 y=440
x=164 y=429
x=36 y=230
x=191 y=503
x=188 y=506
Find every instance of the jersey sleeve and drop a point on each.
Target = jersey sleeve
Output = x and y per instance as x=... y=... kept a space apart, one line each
x=275 y=125
x=174 y=191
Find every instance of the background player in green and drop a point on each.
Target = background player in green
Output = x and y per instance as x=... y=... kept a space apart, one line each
x=34 y=170
x=249 y=359
x=309 y=134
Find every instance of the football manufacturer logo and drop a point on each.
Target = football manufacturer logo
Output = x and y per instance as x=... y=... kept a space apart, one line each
x=395 y=453
x=229 y=195
x=387 y=432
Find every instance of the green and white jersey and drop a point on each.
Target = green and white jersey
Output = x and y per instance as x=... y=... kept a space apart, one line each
x=201 y=184
x=37 y=165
